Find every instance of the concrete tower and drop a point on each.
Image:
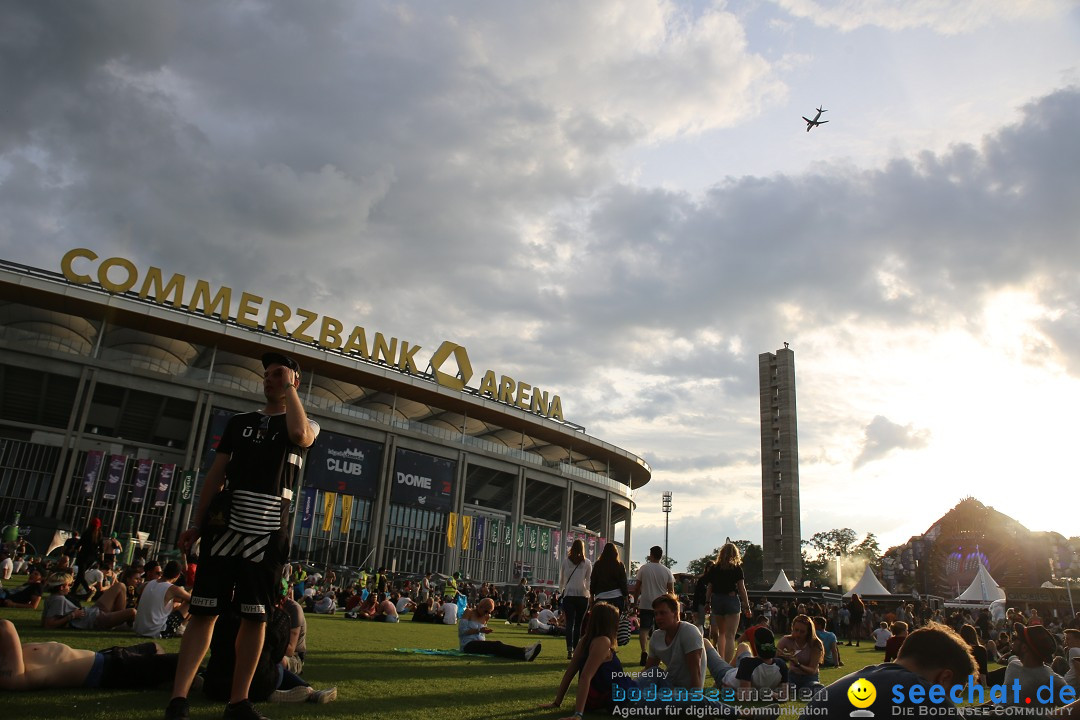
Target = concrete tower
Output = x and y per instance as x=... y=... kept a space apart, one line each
x=781 y=531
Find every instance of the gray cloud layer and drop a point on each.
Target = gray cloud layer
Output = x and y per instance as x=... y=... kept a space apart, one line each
x=441 y=174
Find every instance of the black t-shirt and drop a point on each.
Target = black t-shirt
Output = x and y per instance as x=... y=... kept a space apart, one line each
x=263 y=463
x=748 y=665
x=26 y=593
x=724 y=580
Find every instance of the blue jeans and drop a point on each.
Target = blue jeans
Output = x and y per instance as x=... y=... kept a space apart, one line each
x=574 y=606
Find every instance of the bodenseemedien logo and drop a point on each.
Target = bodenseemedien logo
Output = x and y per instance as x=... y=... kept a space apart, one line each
x=862 y=694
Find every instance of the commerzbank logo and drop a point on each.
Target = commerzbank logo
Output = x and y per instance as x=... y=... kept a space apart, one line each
x=461 y=357
x=862 y=694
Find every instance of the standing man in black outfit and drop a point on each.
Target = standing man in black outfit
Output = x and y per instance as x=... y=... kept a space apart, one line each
x=243 y=521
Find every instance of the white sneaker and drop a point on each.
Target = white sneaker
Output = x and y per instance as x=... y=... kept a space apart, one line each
x=532 y=651
x=300 y=693
x=323 y=696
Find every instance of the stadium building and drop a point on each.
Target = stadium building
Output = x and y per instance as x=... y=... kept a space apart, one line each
x=117 y=380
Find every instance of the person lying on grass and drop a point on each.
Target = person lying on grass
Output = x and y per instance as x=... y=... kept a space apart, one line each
x=39 y=666
x=108 y=612
x=472 y=635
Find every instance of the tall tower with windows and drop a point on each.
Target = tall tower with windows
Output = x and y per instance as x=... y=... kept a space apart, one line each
x=780 y=526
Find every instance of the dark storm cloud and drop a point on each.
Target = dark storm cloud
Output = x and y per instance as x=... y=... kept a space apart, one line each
x=403 y=168
x=883 y=436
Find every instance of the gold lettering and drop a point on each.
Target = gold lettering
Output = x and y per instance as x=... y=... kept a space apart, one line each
x=276 y=315
x=249 y=305
x=69 y=258
x=488 y=386
x=300 y=333
x=201 y=294
x=103 y=274
x=407 y=358
x=539 y=402
x=153 y=285
x=555 y=409
x=383 y=351
x=357 y=343
x=506 y=390
x=523 y=395
x=330 y=333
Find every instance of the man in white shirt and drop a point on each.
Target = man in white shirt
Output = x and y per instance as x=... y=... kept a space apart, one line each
x=653 y=580
x=7 y=565
x=678 y=645
x=449 y=613
x=160 y=599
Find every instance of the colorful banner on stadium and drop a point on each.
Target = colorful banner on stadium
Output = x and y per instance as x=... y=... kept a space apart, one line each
x=478 y=532
x=451 y=529
x=142 y=480
x=592 y=548
x=421 y=480
x=520 y=535
x=165 y=476
x=556 y=536
x=114 y=477
x=91 y=472
x=507 y=532
x=545 y=540
x=346 y=513
x=344 y=464
x=466 y=531
x=534 y=537
x=309 y=508
x=329 y=500
x=219 y=418
x=493 y=530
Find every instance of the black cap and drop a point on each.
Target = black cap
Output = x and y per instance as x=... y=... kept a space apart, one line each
x=276 y=358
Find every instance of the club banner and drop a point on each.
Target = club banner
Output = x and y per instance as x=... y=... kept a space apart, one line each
x=493 y=530
x=466 y=531
x=592 y=548
x=344 y=464
x=478 y=532
x=507 y=532
x=309 y=508
x=91 y=472
x=556 y=536
x=114 y=477
x=164 y=482
x=545 y=540
x=329 y=500
x=187 y=487
x=142 y=480
x=421 y=480
x=520 y=535
x=219 y=418
x=534 y=534
x=451 y=529
x=346 y=514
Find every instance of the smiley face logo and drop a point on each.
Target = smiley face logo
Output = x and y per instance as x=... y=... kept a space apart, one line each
x=862 y=693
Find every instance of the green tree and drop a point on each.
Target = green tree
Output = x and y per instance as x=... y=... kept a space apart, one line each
x=831 y=543
x=696 y=567
x=753 y=560
x=815 y=567
x=869 y=549
x=669 y=563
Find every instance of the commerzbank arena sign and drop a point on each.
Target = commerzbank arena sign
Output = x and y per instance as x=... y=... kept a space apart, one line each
x=119 y=275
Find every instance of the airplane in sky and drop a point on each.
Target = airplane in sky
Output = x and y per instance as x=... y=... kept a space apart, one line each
x=815 y=122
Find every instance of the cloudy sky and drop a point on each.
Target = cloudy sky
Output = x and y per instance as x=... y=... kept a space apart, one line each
x=617 y=201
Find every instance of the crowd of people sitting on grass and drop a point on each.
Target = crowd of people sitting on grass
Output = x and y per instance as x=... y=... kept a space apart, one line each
x=711 y=648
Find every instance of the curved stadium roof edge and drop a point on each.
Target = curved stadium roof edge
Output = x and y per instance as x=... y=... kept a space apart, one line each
x=51 y=291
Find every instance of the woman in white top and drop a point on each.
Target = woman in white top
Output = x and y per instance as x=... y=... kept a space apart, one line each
x=576 y=578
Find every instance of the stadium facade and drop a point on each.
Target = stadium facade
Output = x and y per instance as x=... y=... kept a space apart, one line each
x=117 y=380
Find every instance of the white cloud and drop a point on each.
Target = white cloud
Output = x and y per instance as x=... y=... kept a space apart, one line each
x=948 y=17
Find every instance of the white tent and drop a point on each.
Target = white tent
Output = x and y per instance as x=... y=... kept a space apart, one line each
x=782 y=584
x=982 y=589
x=868 y=585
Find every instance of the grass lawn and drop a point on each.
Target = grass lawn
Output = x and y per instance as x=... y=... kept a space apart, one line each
x=373 y=681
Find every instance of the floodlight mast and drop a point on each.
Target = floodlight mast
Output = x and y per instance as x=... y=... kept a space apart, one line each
x=667 y=516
